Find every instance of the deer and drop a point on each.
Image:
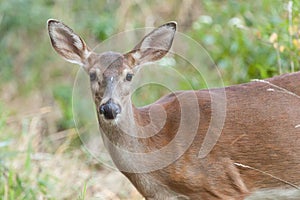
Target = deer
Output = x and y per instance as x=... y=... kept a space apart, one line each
x=258 y=148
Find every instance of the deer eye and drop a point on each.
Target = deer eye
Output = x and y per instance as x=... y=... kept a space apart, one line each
x=129 y=77
x=93 y=76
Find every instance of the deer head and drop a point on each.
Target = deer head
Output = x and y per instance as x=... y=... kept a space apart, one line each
x=110 y=72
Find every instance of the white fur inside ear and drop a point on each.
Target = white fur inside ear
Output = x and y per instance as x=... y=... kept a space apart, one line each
x=69 y=45
x=56 y=34
x=159 y=39
x=74 y=61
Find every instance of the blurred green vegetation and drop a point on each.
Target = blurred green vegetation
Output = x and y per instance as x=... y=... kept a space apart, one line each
x=63 y=95
x=246 y=40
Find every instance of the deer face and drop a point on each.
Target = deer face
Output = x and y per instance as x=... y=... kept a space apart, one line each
x=111 y=73
x=110 y=78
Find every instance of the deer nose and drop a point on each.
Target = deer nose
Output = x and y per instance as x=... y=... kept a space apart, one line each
x=110 y=109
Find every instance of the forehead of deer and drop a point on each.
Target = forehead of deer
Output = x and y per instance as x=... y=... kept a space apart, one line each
x=110 y=63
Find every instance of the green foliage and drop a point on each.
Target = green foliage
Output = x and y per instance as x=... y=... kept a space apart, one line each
x=16 y=28
x=83 y=193
x=63 y=96
x=15 y=184
x=237 y=36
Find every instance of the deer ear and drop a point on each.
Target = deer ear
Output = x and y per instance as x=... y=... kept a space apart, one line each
x=66 y=43
x=153 y=46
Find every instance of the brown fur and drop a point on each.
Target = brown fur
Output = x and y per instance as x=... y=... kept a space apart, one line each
x=259 y=131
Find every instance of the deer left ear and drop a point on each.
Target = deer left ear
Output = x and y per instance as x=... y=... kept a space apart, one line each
x=153 y=46
x=67 y=43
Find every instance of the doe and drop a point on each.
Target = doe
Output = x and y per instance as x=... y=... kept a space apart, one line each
x=258 y=148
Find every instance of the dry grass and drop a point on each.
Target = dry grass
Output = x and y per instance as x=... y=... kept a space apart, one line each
x=43 y=155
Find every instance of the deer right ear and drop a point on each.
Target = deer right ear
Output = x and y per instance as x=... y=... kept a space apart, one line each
x=153 y=46
x=66 y=43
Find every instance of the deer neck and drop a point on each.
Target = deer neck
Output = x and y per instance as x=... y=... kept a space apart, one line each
x=124 y=131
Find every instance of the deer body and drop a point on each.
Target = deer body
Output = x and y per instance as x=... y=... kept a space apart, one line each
x=254 y=134
x=258 y=147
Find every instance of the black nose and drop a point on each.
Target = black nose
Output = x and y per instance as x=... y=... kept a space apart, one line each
x=110 y=109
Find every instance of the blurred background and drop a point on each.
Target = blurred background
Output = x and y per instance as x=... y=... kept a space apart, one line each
x=41 y=155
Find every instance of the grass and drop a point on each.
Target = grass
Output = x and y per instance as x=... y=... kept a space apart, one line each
x=37 y=165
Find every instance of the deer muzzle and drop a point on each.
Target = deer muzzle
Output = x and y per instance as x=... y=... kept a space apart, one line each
x=110 y=110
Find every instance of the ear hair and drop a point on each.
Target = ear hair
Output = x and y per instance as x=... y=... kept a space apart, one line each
x=153 y=46
x=67 y=43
